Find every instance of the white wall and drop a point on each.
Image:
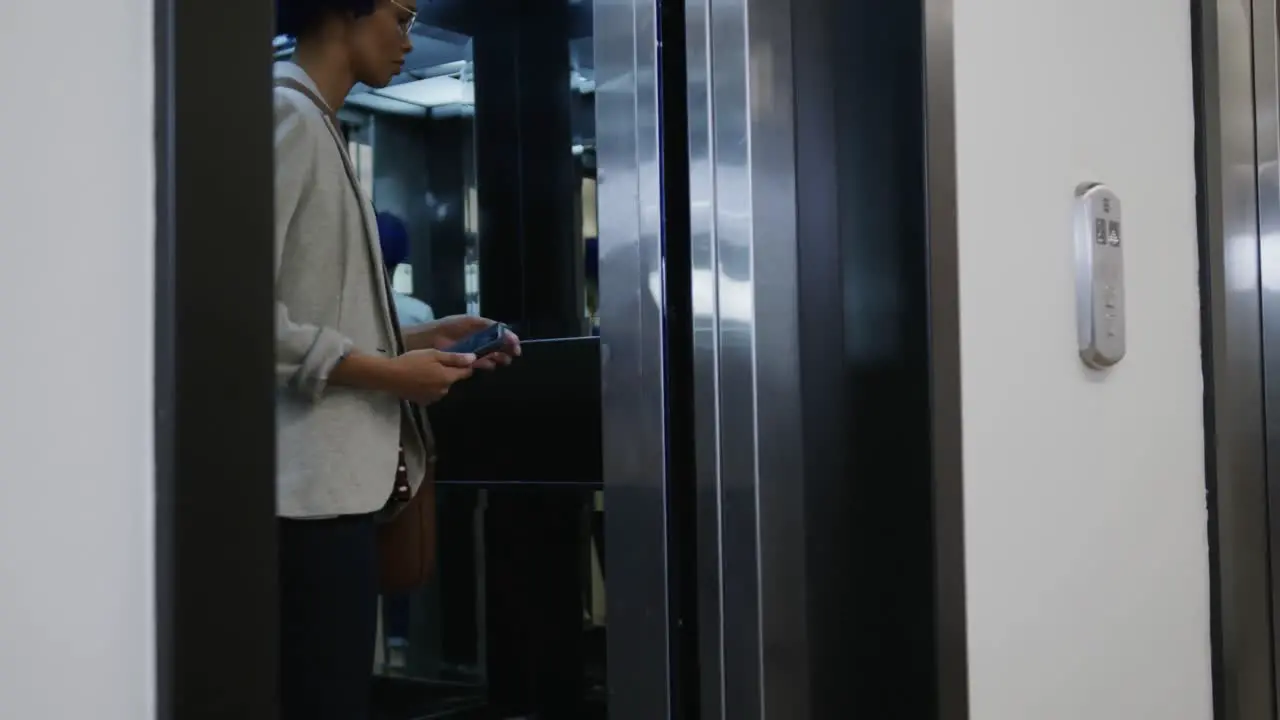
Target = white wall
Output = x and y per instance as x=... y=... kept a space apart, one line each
x=76 y=480
x=1086 y=541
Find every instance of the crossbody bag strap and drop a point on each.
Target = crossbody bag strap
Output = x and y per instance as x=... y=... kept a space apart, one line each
x=310 y=94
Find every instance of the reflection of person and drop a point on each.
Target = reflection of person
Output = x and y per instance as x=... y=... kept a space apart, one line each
x=346 y=436
x=394 y=237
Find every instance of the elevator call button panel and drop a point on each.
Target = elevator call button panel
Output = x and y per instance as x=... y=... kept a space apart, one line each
x=1099 y=241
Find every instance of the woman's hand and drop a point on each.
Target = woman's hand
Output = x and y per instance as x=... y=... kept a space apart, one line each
x=421 y=376
x=425 y=376
x=444 y=333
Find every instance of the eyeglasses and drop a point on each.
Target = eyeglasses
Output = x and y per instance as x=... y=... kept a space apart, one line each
x=406 y=25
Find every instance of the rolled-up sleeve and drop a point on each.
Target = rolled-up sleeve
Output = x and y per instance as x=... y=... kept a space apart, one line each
x=305 y=354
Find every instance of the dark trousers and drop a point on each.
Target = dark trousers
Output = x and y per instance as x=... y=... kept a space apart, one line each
x=328 y=617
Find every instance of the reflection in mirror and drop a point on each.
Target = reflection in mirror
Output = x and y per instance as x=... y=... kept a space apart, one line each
x=482 y=153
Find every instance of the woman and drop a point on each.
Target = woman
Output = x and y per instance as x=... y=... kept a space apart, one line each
x=394 y=239
x=350 y=445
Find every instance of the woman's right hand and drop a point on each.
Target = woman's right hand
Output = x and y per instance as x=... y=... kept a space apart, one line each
x=425 y=376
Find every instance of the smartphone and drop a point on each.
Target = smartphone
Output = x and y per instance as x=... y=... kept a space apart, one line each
x=488 y=340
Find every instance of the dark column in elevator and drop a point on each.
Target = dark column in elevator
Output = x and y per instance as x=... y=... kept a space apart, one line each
x=530 y=276
x=526 y=180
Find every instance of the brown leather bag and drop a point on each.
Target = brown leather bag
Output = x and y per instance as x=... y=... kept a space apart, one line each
x=407 y=542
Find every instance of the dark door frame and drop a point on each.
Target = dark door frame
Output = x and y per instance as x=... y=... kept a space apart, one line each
x=214 y=386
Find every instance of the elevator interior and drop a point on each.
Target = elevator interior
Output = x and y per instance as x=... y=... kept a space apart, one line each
x=490 y=146
x=484 y=148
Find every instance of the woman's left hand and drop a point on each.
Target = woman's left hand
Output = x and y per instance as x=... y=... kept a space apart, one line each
x=444 y=333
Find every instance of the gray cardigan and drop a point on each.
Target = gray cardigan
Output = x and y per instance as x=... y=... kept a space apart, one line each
x=337 y=447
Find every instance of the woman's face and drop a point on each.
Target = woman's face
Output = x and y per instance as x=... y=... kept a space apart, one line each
x=380 y=41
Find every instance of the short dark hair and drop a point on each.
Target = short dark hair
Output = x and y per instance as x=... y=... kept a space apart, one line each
x=394 y=238
x=297 y=18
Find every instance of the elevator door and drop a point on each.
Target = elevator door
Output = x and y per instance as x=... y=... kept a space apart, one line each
x=1237 y=84
x=1266 y=100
